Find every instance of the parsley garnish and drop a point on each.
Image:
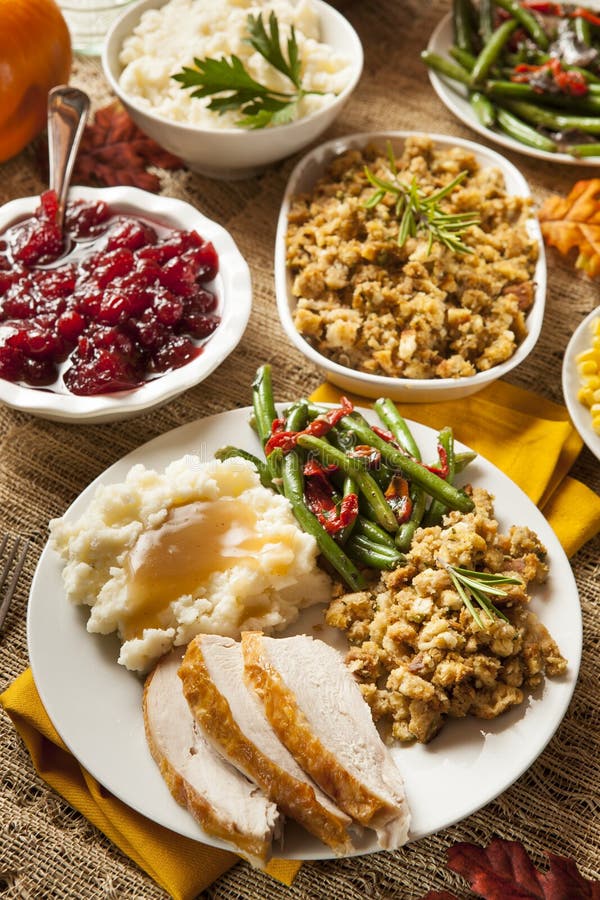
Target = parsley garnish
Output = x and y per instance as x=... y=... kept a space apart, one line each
x=259 y=104
x=418 y=212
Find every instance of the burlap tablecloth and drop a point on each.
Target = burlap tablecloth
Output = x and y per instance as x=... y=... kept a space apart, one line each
x=47 y=849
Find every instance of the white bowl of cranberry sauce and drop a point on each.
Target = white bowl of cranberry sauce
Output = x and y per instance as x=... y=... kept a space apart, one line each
x=141 y=299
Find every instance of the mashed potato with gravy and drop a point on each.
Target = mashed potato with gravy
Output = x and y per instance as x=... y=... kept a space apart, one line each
x=200 y=547
x=168 y=38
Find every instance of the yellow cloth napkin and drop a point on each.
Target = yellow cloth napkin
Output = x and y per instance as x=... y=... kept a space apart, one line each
x=181 y=866
x=529 y=438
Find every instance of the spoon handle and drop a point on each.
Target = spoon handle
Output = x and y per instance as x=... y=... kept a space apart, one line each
x=67 y=113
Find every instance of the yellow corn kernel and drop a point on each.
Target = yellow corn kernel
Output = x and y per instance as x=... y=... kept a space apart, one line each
x=596 y=425
x=593 y=382
x=585 y=355
x=585 y=396
x=595 y=409
x=587 y=367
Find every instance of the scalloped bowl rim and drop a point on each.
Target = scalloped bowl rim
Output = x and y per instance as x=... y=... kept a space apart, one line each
x=356 y=64
x=233 y=288
x=311 y=166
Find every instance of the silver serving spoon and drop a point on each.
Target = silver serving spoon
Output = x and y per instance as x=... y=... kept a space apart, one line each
x=68 y=109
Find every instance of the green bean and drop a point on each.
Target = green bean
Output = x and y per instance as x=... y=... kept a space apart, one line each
x=582 y=150
x=486 y=19
x=367 y=485
x=371 y=530
x=512 y=90
x=275 y=467
x=375 y=556
x=461 y=21
x=483 y=108
x=406 y=532
x=523 y=133
x=346 y=442
x=583 y=31
x=297 y=416
x=349 y=488
x=261 y=467
x=491 y=51
x=463 y=58
x=527 y=20
x=462 y=460
x=262 y=401
x=513 y=59
x=293 y=486
x=551 y=120
x=387 y=411
x=590 y=77
x=438 y=509
x=436 y=487
x=445 y=67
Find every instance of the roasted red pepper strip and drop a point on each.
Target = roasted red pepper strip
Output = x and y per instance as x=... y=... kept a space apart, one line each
x=312 y=467
x=346 y=516
x=319 y=496
x=383 y=433
x=546 y=9
x=581 y=13
x=568 y=82
x=287 y=440
x=557 y=9
x=443 y=469
x=397 y=495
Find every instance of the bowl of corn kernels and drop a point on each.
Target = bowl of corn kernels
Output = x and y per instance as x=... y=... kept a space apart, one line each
x=581 y=380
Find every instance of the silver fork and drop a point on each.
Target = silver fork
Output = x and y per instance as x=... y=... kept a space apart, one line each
x=12 y=558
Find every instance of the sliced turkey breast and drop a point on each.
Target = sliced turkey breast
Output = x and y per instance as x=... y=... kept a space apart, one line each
x=233 y=718
x=223 y=802
x=315 y=706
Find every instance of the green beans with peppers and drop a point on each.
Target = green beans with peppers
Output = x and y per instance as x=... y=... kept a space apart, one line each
x=361 y=493
x=530 y=73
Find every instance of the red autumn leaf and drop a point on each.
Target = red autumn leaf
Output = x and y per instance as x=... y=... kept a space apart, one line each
x=504 y=871
x=113 y=151
x=573 y=222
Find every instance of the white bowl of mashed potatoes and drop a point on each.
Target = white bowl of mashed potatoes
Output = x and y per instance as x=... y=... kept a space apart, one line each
x=153 y=40
x=201 y=547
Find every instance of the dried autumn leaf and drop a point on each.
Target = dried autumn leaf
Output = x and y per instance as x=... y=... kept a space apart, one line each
x=574 y=222
x=113 y=151
x=504 y=871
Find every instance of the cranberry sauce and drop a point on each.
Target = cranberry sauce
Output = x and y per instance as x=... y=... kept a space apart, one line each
x=119 y=301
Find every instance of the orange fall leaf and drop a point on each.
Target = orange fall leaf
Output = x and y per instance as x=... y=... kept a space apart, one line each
x=573 y=222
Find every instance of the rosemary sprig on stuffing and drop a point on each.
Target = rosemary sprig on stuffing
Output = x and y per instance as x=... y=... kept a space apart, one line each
x=477 y=588
x=421 y=213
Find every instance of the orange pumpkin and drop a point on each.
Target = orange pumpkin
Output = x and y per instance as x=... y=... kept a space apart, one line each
x=35 y=55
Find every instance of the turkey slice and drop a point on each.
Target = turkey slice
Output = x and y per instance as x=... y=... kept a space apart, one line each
x=315 y=706
x=224 y=803
x=232 y=717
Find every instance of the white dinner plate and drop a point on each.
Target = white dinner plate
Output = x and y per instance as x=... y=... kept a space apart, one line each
x=95 y=704
x=454 y=96
x=581 y=340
